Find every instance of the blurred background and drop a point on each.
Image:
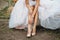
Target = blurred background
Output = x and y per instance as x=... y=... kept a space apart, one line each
x=5 y=8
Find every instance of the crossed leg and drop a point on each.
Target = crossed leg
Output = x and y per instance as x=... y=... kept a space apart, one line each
x=30 y=21
x=35 y=23
x=32 y=29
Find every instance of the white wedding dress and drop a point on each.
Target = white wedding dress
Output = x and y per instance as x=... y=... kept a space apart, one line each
x=19 y=14
x=49 y=14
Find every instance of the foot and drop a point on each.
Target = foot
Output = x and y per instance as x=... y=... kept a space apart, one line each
x=28 y=35
x=33 y=34
x=29 y=30
x=34 y=31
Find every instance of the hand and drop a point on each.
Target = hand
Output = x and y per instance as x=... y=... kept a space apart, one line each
x=30 y=19
x=31 y=12
x=30 y=9
x=32 y=15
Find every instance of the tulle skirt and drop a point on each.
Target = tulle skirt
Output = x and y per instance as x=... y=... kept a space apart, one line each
x=49 y=14
x=19 y=15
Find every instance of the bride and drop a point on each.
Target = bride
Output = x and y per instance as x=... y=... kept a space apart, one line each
x=48 y=11
x=21 y=17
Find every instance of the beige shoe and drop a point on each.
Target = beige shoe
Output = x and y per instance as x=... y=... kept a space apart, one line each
x=33 y=34
x=28 y=35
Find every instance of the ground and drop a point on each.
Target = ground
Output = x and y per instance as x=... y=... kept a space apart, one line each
x=13 y=34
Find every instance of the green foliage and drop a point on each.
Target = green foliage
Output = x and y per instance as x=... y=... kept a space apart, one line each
x=3 y=13
x=10 y=2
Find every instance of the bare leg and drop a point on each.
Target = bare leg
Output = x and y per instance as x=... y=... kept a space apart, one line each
x=29 y=26
x=35 y=23
x=30 y=21
x=29 y=30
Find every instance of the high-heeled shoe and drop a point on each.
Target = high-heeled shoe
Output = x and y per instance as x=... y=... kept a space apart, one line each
x=33 y=34
x=28 y=35
x=29 y=32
